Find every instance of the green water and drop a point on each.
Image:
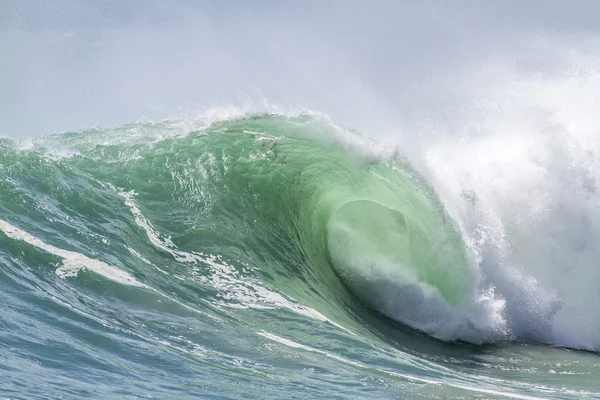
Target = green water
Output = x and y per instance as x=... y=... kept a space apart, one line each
x=266 y=256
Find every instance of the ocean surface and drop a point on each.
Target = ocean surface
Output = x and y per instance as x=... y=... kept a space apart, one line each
x=284 y=256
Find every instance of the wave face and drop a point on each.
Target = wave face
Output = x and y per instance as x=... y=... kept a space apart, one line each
x=266 y=252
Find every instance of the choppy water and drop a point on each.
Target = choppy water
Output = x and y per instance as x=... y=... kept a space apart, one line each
x=269 y=256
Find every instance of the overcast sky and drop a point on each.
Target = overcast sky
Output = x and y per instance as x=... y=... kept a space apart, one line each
x=67 y=65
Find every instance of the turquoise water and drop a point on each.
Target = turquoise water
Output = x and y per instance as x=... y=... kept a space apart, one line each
x=263 y=256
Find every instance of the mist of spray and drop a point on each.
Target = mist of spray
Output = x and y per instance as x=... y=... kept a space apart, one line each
x=520 y=170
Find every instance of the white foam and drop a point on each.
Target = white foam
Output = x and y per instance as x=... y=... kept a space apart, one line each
x=73 y=262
